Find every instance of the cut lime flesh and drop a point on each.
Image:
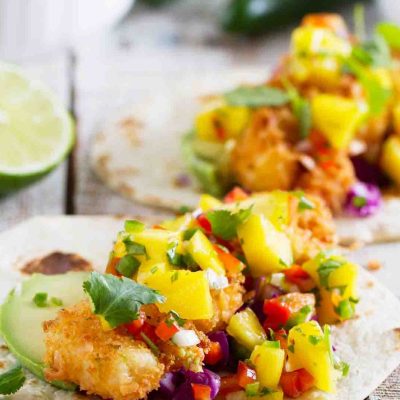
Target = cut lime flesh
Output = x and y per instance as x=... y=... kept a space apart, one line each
x=36 y=132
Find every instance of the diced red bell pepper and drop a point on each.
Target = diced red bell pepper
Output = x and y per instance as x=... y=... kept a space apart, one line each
x=295 y=274
x=281 y=335
x=149 y=331
x=295 y=383
x=231 y=263
x=245 y=374
x=111 y=266
x=135 y=327
x=214 y=355
x=165 y=330
x=236 y=194
x=229 y=384
x=204 y=223
x=201 y=392
x=277 y=314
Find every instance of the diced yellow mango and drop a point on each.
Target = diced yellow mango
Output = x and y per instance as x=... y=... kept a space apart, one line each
x=203 y=252
x=149 y=268
x=323 y=71
x=266 y=249
x=311 y=350
x=268 y=359
x=187 y=293
x=178 y=224
x=308 y=40
x=273 y=205
x=340 y=285
x=221 y=123
x=246 y=329
x=337 y=118
x=390 y=159
x=208 y=202
x=157 y=242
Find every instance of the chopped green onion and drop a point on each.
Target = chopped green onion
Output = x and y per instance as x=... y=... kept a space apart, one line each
x=128 y=265
x=134 y=226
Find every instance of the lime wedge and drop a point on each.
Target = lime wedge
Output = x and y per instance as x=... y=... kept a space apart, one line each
x=36 y=131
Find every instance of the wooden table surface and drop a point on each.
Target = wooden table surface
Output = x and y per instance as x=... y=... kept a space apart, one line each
x=98 y=76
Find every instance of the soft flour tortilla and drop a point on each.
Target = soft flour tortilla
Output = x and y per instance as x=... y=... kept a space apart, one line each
x=137 y=152
x=370 y=343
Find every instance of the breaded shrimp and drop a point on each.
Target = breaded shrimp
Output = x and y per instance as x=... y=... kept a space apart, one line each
x=263 y=158
x=106 y=363
x=226 y=302
x=310 y=230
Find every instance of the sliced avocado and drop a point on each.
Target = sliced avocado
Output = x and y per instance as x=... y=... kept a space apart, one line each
x=204 y=170
x=21 y=319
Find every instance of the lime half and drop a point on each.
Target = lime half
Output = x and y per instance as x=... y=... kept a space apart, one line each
x=36 y=131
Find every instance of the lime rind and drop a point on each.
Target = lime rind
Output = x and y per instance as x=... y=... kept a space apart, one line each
x=30 y=154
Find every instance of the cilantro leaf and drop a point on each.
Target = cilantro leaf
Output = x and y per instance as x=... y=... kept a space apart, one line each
x=12 y=380
x=374 y=53
x=326 y=268
x=302 y=110
x=377 y=94
x=343 y=367
x=256 y=96
x=128 y=265
x=118 y=300
x=224 y=223
x=390 y=32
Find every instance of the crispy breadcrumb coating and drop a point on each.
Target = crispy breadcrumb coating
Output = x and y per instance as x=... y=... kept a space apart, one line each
x=106 y=363
x=310 y=230
x=263 y=158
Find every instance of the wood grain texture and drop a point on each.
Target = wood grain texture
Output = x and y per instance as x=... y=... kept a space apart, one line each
x=46 y=197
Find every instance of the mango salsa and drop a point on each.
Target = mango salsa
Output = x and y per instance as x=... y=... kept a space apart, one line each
x=208 y=202
x=310 y=348
x=246 y=329
x=149 y=268
x=390 y=159
x=221 y=123
x=203 y=252
x=187 y=293
x=337 y=118
x=267 y=250
x=309 y=40
x=275 y=206
x=268 y=359
x=336 y=279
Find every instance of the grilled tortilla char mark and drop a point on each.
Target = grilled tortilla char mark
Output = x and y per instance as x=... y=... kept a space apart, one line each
x=57 y=263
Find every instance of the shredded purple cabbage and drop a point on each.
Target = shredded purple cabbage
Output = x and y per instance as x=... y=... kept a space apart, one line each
x=363 y=200
x=222 y=338
x=178 y=385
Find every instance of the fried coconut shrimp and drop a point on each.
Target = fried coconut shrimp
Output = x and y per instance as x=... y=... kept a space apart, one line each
x=330 y=180
x=310 y=230
x=101 y=362
x=263 y=159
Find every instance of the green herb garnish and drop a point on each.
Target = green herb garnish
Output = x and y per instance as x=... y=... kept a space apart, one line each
x=40 y=299
x=55 y=301
x=188 y=233
x=12 y=380
x=134 y=226
x=314 y=340
x=150 y=343
x=359 y=201
x=345 y=308
x=174 y=276
x=326 y=268
x=173 y=256
x=304 y=202
x=118 y=300
x=257 y=96
x=302 y=110
x=128 y=265
x=135 y=248
x=224 y=223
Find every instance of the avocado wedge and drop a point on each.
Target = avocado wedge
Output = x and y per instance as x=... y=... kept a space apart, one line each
x=21 y=319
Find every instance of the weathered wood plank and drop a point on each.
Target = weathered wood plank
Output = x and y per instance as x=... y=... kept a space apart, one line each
x=46 y=197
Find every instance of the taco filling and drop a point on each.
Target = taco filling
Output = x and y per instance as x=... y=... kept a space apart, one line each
x=232 y=301
x=327 y=122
